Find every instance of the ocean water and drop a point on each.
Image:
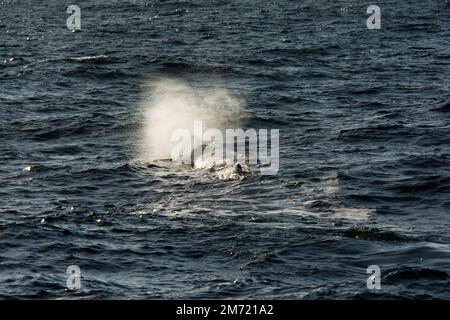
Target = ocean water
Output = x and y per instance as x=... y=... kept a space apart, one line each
x=364 y=177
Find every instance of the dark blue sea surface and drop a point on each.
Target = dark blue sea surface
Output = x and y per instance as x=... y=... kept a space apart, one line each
x=364 y=179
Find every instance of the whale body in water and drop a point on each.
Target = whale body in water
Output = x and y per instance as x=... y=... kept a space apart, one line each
x=224 y=169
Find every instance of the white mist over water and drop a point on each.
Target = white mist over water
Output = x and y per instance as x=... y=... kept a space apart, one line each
x=174 y=104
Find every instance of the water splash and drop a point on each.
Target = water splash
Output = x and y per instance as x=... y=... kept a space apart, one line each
x=173 y=104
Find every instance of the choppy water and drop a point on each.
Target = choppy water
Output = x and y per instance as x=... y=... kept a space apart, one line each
x=364 y=163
